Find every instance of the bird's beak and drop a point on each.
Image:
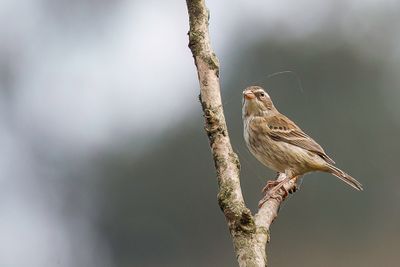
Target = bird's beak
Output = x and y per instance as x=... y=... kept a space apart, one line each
x=248 y=95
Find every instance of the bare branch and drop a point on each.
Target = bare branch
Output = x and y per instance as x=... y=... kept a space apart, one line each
x=249 y=233
x=226 y=161
x=269 y=210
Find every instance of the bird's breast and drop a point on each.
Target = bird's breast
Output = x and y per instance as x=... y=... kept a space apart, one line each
x=276 y=155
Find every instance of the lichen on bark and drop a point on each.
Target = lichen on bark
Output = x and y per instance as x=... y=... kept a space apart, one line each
x=249 y=233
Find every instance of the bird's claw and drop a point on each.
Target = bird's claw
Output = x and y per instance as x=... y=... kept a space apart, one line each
x=270 y=184
x=278 y=193
x=276 y=190
x=293 y=190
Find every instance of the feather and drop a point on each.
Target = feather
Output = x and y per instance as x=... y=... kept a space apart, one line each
x=281 y=128
x=345 y=177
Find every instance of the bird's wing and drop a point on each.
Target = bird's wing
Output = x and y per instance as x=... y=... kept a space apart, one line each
x=281 y=128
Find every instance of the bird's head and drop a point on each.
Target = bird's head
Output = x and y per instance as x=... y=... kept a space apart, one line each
x=256 y=102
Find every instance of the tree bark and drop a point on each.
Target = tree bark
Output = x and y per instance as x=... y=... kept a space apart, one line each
x=249 y=233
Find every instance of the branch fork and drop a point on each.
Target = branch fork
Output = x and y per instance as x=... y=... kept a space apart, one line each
x=249 y=232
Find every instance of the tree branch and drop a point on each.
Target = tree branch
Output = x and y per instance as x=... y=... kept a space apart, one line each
x=249 y=233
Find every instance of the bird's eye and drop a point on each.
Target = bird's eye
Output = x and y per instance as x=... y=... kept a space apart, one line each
x=262 y=94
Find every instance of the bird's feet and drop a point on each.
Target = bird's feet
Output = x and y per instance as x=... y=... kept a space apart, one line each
x=276 y=190
x=270 y=184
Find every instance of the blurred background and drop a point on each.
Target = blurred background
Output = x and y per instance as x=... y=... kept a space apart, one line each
x=104 y=160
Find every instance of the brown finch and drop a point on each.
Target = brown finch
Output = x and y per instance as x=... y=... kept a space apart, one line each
x=278 y=143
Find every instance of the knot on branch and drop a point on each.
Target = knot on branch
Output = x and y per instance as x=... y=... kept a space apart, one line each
x=245 y=223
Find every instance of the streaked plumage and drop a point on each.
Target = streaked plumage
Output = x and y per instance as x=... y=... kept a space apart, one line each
x=279 y=143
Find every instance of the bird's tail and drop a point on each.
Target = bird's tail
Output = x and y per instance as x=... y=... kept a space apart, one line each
x=345 y=177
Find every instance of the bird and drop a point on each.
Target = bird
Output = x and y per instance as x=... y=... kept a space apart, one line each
x=279 y=144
